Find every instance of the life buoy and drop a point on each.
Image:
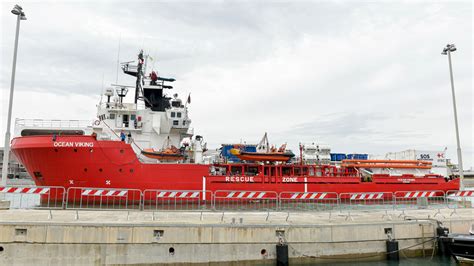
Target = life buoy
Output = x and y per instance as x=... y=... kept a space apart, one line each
x=97 y=122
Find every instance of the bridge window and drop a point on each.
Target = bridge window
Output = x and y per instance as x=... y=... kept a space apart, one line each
x=175 y=122
x=173 y=114
x=178 y=114
x=112 y=116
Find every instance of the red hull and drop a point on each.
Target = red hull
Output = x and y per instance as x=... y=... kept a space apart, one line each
x=82 y=161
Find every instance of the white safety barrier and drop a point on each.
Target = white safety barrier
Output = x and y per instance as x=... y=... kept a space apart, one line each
x=177 y=200
x=456 y=199
x=434 y=199
x=24 y=197
x=308 y=201
x=103 y=198
x=366 y=200
x=245 y=200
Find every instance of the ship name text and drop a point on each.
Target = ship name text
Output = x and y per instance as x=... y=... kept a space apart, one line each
x=73 y=144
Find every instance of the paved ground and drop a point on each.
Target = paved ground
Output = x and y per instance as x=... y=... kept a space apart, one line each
x=221 y=218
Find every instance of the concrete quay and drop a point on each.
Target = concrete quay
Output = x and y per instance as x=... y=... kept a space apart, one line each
x=67 y=237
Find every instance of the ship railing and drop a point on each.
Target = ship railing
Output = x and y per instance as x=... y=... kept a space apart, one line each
x=177 y=200
x=459 y=199
x=308 y=201
x=103 y=198
x=427 y=199
x=34 y=197
x=52 y=123
x=239 y=200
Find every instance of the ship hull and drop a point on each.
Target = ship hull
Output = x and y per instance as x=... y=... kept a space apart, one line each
x=83 y=161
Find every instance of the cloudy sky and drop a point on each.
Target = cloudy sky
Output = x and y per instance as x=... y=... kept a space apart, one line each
x=364 y=77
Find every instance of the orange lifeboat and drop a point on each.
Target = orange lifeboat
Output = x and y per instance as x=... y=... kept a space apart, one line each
x=264 y=153
x=170 y=154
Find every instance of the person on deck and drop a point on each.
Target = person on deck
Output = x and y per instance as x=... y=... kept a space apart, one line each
x=122 y=136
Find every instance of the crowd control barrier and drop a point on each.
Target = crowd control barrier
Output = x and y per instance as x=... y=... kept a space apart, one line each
x=308 y=201
x=460 y=199
x=103 y=198
x=172 y=200
x=245 y=200
x=24 y=197
x=366 y=200
x=434 y=199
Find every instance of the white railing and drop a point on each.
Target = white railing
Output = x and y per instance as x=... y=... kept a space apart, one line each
x=52 y=123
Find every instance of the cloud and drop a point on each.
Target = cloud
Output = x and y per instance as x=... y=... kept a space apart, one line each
x=360 y=76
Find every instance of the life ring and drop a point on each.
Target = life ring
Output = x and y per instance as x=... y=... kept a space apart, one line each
x=97 y=122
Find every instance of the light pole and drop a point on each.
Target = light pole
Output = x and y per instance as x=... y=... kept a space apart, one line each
x=447 y=51
x=18 y=12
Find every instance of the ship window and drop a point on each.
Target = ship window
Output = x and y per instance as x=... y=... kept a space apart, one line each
x=173 y=114
x=236 y=170
x=178 y=114
x=125 y=120
x=184 y=122
x=286 y=171
x=132 y=117
x=175 y=122
x=112 y=116
x=297 y=171
x=251 y=170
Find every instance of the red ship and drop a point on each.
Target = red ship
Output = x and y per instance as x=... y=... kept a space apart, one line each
x=111 y=154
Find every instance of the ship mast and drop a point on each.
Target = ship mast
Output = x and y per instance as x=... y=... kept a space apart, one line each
x=138 y=85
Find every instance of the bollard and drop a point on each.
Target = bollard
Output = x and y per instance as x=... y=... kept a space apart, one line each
x=282 y=254
x=392 y=250
x=443 y=239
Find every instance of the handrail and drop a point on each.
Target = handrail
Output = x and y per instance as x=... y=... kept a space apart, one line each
x=52 y=123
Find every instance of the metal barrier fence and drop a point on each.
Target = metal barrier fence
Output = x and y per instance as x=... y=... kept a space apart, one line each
x=460 y=199
x=419 y=199
x=188 y=200
x=103 y=199
x=308 y=201
x=245 y=200
x=25 y=197
x=366 y=200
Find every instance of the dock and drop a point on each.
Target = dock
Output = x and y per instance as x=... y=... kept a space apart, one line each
x=78 y=237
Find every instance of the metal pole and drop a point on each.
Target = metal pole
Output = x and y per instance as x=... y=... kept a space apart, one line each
x=6 y=150
x=461 y=173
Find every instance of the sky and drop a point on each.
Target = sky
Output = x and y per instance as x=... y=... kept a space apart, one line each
x=360 y=76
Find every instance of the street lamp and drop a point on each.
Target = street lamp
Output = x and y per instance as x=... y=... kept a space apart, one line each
x=447 y=51
x=18 y=12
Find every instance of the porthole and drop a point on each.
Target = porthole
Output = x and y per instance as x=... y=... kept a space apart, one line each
x=85 y=169
x=171 y=250
x=1 y=249
x=121 y=151
x=131 y=170
x=100 y=170
x=263 y=252
x=91 y=150
x=120 y=170
x=75 y=150
x=56 y=150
